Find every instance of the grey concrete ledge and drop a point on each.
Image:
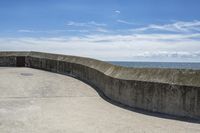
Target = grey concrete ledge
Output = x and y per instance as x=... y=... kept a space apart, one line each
x=170 y=91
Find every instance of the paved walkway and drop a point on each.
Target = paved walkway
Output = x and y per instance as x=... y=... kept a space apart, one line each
x=35 y=101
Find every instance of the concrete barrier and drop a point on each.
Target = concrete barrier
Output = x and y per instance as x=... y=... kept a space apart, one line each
x=170 y=91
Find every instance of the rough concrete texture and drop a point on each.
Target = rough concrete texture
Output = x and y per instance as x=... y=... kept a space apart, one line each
x=161 y=75
x=35 y=101
x=169 y=91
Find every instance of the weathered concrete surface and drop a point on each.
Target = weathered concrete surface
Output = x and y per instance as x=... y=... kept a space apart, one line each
x=169 y=91
x=35 y=101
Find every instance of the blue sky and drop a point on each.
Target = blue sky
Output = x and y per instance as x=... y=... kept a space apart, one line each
x=132 y=30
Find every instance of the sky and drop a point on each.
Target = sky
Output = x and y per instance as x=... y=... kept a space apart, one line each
x=111 y=30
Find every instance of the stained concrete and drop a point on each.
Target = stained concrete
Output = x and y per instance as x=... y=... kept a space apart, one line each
x=35 y=101
x=169 y=91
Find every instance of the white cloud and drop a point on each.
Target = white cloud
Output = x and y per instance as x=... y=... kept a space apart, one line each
x=156 y=47
x=99 y=29
x=98 y=42
x=85 y=24
x=71 y=23
x=117 y=11
x=178 y=26
x=84 y=30
x=96 y=24
x=94 y=29
x=125 y=22
x=25 y=31
x=42 y=31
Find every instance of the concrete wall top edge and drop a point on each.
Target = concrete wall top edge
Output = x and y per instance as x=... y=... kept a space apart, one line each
x=184 y=77
x=14 y=53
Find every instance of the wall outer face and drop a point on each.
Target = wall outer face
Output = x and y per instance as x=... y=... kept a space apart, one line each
x=169 y=91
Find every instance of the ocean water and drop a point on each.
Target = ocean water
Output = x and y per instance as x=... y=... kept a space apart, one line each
x=178 y=65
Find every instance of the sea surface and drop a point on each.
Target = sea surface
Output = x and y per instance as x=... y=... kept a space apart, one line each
x=178 y=65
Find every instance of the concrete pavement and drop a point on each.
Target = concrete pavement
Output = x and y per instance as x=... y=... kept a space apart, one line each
x=35 y=101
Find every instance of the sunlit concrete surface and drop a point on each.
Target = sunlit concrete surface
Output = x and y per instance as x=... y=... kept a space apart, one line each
x=35 y=101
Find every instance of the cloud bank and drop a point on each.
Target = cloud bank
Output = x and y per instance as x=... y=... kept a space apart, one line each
x=183 y=44
x=115 y=47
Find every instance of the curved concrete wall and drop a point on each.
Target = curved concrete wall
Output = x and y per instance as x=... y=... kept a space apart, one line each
x=169 y=91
